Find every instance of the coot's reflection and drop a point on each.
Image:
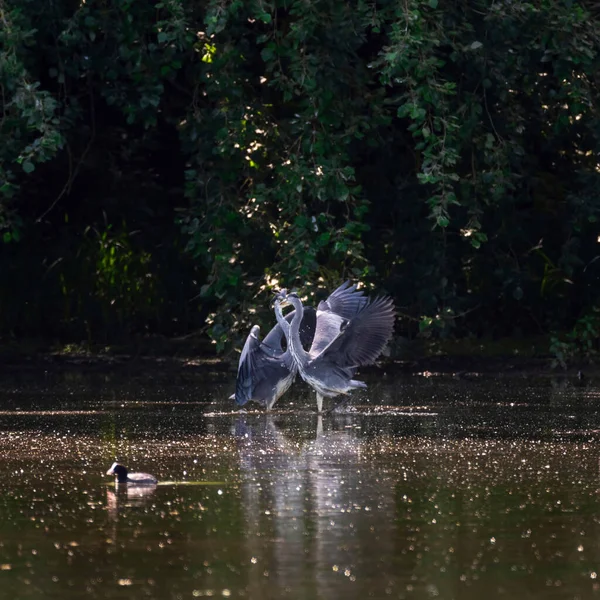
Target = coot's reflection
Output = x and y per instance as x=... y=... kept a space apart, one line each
x=127 y=496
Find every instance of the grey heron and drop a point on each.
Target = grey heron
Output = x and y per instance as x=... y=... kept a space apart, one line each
x=266 y=370
x=351 y=331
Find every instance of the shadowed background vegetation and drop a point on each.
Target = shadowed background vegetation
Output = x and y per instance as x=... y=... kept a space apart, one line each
x=164 y=165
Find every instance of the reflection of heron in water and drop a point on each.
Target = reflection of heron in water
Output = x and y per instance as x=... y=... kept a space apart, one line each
x=351 y=331
x=301 y=488
x=266 y=370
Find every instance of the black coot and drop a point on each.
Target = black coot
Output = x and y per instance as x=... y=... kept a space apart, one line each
x=120 y=472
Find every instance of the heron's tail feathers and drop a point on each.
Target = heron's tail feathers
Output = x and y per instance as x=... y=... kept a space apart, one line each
x=357 y=384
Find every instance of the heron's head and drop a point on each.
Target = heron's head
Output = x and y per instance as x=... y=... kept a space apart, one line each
x=284 y=297
x=281 y=297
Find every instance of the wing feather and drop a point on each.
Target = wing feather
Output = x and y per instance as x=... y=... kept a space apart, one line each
x=243 y=383
x=343 y=304
x=345 y=301
x=329 y=326
x=362 y=339
x=259 y=376
x=274 y=339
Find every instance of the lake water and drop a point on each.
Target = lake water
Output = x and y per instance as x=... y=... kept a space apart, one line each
x=423 y=487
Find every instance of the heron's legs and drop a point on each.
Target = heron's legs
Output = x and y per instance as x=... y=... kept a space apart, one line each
x=341 y=403
x=319 y=403
x=319 y=426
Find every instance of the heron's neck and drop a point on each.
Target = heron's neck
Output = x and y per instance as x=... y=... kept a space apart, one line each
x=285 y=326
x=295 y=345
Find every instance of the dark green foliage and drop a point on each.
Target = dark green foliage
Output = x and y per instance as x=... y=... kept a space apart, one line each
x=163 y=165
x=582 y=342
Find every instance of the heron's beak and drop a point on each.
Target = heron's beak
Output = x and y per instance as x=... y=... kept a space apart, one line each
x=281 y=297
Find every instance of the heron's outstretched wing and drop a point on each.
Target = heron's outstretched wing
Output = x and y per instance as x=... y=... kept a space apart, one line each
x=346 y=301
x=328 y=329
x=260 y=370
x=273 y=342
x=362 y=339
x=246 y=367
x=342 y=305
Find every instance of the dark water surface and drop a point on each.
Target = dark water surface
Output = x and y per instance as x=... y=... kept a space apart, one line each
x=423 y=488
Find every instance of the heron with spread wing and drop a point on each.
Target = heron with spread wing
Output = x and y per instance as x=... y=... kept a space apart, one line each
x=351 y=331
x=266 y=370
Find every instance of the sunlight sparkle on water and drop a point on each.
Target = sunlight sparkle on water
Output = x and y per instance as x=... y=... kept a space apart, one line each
x=480 y=487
